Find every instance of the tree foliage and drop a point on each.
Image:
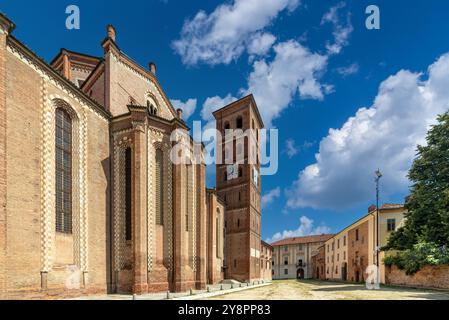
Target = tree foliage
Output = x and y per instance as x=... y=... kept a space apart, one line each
x=420 y=255
x=428 y=206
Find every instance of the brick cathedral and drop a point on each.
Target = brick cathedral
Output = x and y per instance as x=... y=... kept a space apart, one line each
x=90 y=202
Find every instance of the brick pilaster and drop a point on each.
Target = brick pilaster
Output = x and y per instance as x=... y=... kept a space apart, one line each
x=3 y=36
x=201 y=276
x=178 y=229
x=139 y=192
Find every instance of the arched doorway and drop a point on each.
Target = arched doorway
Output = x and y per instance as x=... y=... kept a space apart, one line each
x=300 y=273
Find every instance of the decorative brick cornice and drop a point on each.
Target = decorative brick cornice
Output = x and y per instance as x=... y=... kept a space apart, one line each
x=144 y=74
x=25 y=55
x=6 y=25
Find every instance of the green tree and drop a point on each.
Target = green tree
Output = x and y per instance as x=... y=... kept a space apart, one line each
x=428 y=206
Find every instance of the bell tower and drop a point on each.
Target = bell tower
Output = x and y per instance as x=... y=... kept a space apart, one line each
x=239 y=186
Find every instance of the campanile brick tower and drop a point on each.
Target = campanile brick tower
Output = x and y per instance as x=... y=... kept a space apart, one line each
x=239 y=186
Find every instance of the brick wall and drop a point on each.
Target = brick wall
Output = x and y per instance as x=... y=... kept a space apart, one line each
x=2 y=163
x=358 y=253
x=428 y=277
x=215 y=238
x=319 y=264
x=266 y=259
x=25 y=90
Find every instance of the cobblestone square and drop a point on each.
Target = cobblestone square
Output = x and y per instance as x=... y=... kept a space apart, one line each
x=321 y=290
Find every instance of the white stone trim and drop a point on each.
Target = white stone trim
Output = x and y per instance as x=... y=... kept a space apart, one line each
x=79 y=203
x=47 y=76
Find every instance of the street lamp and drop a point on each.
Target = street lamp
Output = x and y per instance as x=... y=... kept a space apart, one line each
x=378 y=176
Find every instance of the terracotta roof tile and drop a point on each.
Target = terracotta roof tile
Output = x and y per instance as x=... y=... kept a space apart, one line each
x=302 y=240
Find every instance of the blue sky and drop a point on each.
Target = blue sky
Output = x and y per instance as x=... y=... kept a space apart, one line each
x=311 y=64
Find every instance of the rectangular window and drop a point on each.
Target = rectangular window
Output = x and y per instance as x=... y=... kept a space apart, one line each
x=357 y=235
x=391 y=225
x=286 y=271
x=344 y=241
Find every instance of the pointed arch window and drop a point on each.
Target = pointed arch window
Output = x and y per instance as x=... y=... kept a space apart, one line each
x=159 y=187
x=187 y=202
x=151 y=108
x=128 y=194
x=63 y=165
x=239 y=123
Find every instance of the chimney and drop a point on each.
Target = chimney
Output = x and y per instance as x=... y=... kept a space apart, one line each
x=153 y=68
x=372 y=208
x=111 y=32
x=179 y=111
x=66 y=66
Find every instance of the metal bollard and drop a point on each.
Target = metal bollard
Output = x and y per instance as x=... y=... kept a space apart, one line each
x=134 y=297
x=208 y=289
x=191 y=291
x=168 y=295
x=221 y=287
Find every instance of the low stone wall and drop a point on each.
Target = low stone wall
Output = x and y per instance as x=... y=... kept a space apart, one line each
x=428 y=277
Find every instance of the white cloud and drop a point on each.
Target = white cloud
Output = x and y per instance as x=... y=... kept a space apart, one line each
x=294 y=70
x=269 y=197
x=306 y=228
x=349 y=70
x=187 y=107
x=212 y=104
x=291 y=148
x=260 y=44
x=382 y=136
x=341 y=29
x=223 y=35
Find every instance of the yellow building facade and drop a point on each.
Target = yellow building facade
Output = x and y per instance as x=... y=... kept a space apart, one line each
x=350 y=252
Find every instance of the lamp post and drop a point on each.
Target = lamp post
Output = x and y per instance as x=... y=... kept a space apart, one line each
x=378 y=176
